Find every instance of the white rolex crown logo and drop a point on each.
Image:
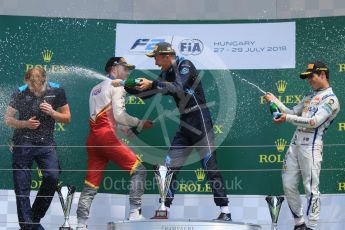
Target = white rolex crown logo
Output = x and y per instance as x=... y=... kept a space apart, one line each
x=47 y=55
x=281 y=86
x=200 y=174
x=280 y=144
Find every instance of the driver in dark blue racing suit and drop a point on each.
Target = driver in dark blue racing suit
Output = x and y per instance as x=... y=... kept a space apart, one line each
x=179 y=79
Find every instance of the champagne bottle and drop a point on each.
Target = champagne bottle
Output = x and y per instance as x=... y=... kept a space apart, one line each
x=275 y=111
x=130 y=83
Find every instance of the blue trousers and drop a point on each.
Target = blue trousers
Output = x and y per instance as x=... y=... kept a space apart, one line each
x=47 y=161
x=196 y=133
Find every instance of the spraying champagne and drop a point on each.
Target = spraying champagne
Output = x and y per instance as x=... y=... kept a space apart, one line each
x=275 y=111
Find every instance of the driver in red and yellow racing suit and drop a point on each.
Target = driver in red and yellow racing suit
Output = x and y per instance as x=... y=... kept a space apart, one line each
x=107 y=112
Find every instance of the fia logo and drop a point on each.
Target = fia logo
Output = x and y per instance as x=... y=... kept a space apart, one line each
x=191 y=47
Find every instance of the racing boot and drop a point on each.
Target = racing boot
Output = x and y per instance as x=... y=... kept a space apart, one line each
x=300 y=227
x=224 y=217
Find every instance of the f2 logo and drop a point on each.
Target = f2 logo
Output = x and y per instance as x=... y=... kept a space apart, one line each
x=146 y=44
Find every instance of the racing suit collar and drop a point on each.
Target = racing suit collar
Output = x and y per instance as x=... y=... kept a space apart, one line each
x=173 y=66
x=322 y=89
x=178 y=59
x=111 y=77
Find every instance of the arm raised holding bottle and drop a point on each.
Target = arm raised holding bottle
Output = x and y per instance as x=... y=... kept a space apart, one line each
x=312 y=116
x=279 y=110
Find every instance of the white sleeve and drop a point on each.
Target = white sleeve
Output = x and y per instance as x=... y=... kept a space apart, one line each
x=118 y=95
x=296 y=110
x=324 y=111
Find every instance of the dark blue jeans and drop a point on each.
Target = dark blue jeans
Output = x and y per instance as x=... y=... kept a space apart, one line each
x=47 y=161
x=199 y=136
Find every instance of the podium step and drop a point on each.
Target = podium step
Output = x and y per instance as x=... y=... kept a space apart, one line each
x=182 y=225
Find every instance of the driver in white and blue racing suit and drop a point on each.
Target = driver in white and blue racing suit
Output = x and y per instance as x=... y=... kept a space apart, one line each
x=312 y=116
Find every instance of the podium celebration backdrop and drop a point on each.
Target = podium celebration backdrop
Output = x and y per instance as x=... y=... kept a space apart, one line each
x=250 y=147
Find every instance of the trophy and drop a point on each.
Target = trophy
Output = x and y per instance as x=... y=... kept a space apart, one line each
x=163 y=176
x=66 y=194
x=111 y=226
x=274 y=204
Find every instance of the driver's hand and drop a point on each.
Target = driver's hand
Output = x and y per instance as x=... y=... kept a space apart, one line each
x=144 y=84
x=269 y=97
x=280 y=120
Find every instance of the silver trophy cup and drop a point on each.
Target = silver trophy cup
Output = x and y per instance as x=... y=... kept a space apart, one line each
x=163 y=176
x=274 y=204
x=66 y=194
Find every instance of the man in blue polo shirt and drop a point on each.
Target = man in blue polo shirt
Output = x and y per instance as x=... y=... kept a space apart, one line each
x=39 y=104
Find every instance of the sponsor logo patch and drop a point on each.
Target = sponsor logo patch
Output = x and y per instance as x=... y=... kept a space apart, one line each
x=184 y=70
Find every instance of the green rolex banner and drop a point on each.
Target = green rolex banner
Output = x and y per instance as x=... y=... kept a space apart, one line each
x=250 y=149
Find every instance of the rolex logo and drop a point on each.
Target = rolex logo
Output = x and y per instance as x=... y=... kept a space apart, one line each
x=47 y=55
x=39 y=172
x=281 y=86
x=200 y=174
x=280 y=144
